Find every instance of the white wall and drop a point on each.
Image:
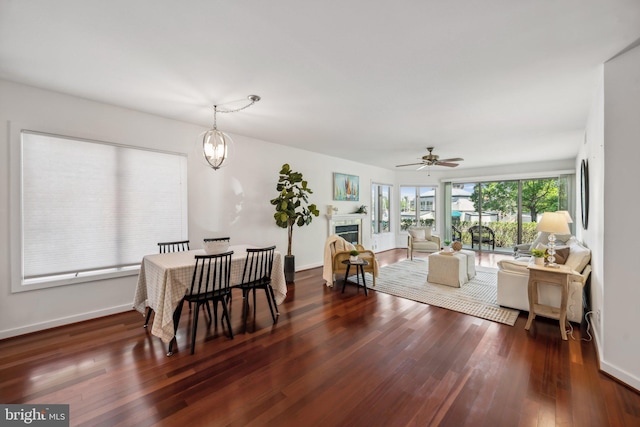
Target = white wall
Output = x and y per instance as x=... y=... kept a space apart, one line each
x=620 y=350
x=232 y=201
x=593 y=150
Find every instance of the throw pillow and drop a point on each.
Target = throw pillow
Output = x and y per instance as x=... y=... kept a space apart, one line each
x=418 y=234
x=578 y=258
x=562 y=255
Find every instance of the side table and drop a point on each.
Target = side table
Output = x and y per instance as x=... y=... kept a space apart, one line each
x=359 y=264
x=550 y=276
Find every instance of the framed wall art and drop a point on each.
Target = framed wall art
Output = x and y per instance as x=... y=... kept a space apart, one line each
x=346 y=187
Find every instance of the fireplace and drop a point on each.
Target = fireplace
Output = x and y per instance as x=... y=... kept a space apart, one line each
x=348 y=226
x=349 y=233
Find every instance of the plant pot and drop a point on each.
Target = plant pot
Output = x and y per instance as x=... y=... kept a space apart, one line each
x=353 y=258
x=539 y=260
x=289 y=268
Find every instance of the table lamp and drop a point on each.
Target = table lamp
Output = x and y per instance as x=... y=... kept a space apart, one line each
x=552 y=223
x=567 y=215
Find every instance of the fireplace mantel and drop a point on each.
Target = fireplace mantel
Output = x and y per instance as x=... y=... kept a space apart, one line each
x=341 y=220
x=339 y=217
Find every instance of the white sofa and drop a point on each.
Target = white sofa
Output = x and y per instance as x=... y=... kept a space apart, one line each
x=513 y=281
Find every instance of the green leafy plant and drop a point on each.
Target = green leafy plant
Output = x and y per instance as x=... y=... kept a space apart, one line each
x=354 y=253
x=538 y=253
x=292 y=204
x=447 y=242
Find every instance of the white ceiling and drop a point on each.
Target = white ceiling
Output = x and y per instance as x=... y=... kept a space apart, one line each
x=493 y=81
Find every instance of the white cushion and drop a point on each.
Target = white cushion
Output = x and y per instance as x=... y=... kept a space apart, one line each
x=426 y=245
x=418 y=234
x=514 y=266
x=579 y=257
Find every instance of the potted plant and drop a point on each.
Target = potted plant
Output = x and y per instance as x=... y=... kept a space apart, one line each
x=447 y=244
x=292 y=208
x=353 y=255
x=538 y=255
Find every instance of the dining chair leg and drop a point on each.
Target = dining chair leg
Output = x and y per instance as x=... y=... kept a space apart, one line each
x=268 y=295
x=209 y=311
x=176 y=319
x=225 y=313
x=148 y=316
x=195 y=327
x=215 y=313
x=254 y=304
x=273 y=298
x=245 y=309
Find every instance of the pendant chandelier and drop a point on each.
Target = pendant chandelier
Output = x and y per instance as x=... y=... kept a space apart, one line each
x=215 y=143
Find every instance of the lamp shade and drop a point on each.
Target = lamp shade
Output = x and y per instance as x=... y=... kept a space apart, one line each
x=554 y=222
x=567 y=216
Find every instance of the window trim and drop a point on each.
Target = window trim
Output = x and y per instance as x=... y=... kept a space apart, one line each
x=374 y=202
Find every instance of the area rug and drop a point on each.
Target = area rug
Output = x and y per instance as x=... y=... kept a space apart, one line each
x=408 y=279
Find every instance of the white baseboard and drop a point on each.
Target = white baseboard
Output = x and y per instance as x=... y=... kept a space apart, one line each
x=309 y=266
x=8 y=333
x=613 y=371
x=620 y=374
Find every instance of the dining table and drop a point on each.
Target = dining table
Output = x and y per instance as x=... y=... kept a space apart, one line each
x=165 y=279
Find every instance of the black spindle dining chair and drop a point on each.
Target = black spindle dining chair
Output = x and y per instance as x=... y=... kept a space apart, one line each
x=257 y=275
x=166 y=247
x=209 y=283
x=218 y=239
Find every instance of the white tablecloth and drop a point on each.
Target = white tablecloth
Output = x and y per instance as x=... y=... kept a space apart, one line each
x=165 y=278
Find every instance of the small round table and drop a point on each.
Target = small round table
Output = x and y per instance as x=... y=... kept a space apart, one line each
x=359 y=264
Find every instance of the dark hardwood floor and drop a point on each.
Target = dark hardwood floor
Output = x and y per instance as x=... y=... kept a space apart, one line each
x=332 y=359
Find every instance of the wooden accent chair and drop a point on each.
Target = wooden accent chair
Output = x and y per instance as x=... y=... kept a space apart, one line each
x=339 y=251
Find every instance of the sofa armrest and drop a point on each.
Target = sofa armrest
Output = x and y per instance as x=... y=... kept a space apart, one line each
x=518 y=267
x=436 y=239
x=522 y=249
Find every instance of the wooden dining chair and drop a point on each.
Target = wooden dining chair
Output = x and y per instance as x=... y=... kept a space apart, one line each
x=164 y=248
x=209 y=283
x=257 y=275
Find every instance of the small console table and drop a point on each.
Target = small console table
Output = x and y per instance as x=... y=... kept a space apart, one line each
x=550 y=276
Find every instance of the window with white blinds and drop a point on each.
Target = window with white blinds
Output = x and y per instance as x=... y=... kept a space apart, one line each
x=90 y=208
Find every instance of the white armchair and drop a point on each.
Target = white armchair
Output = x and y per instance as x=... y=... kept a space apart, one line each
x=421 y=240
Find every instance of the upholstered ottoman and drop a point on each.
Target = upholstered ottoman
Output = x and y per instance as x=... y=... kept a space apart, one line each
x=450 y=270
x=471 y=262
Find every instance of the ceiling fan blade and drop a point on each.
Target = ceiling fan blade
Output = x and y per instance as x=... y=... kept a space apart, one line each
x=450 y=165
x=422 y=167
x=454 y=159
x=410 y=164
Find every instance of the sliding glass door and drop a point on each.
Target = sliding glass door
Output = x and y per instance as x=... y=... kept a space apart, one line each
x=496 y=215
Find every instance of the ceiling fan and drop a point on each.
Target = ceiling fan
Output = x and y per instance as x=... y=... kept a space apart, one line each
x=434 y=160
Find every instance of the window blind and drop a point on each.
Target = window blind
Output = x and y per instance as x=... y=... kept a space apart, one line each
x=90 y=206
